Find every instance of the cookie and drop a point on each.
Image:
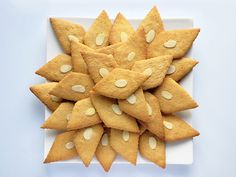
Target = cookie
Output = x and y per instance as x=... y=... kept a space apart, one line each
x=136 y=106
x=121 y=30
x=177 y=129
x=62 y=148
x=153 y=149
x=155 y=68
x=86 y=141
x=77 y=60
x=179 y=68
x=104 y=153
x=74 y=87
x=99 y=64
x=98 y=34
x=125 y=144
x=120 y=83
x=42 y=92
x=83 y=115
x=59 y=118
x=111 y=115
x=173 y=98
x=132 y=50
x=172 y=42
x=109 y=49
x=65 y=29
x=57 y=68
x=156 y=125
x=152 y=25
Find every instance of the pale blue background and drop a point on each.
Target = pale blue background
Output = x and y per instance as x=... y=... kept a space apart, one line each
x=23 y=49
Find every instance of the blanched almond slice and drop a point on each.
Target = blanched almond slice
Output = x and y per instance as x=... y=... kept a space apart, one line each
x=65 y=68
x=69 y=145
x=72 y=37
x=55 y=98
x=150 y=36
x=168 y=125
x=88 y=133
x=90 y=112
x=78 y=88
x=116 y=109
x=171 y=69
x=123 y=36
x=131 y=56
x=148 y=72
x=152 y=142
x=170 y=44
x=105 y=139
x=149 y=108
x=132 y=99
x=121 y=83
x=100 y=39
x=68 y=116
x=103 y=72
x=167 y=95
x=125 y=136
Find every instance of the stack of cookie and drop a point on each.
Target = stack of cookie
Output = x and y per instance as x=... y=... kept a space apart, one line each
x=115 y=89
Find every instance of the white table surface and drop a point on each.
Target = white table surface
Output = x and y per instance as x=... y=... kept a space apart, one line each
x=23 y=50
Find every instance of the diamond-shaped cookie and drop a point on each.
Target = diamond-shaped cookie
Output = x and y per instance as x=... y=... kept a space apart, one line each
x=65 y=29
x=121 y=30
x=155 y=68
x=109 y=49
x=74 y=87
x=120 y=83
x=98 y=34
x=173 y=98
x=172 y=42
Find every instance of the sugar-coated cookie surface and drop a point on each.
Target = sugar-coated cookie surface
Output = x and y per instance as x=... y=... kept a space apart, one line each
x=125 y=144
x=42 y=91
x=59 y=118
x=64 y=30
x=74 y=87
x=62 y=148
x=153 y=149
x=173 y=98
x=86 y=141
x=83 y=115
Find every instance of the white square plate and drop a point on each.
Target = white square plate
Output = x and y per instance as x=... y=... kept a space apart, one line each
x=176 y=153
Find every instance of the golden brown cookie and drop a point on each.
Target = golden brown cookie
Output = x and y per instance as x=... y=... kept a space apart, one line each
x=111 y=115
x=63 y=148
x=109 y=49
x=77 y=60
x=74 y=87
x=172 y=42
x=120 y=83
x=86 y=141
x=42 y=92
x=121 y=30
x=59 y=118
x=98 y=34
x=83 y=115
x=132 y=50
x=152 y=25
x=104 y=153
x=57 y=68
x=153 y=149
x=155 y=68
x=177 y=129
x=99 y=64
x=156 y=125
x=125 y=143
x=173 y=98
x=179 y=68
x=65 y=29
x=136 y=106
